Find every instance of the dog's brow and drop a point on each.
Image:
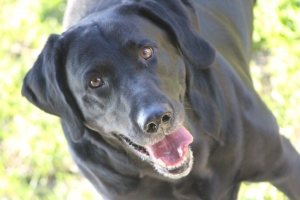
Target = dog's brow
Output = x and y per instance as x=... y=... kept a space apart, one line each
x=137 y=44
x=134 y=30
x=131 y=41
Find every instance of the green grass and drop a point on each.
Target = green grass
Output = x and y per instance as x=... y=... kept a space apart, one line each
x=34 y=160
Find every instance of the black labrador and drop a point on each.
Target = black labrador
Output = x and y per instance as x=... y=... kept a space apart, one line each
x=156 y=100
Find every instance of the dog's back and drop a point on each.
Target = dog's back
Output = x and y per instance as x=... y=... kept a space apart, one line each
x=227 y=25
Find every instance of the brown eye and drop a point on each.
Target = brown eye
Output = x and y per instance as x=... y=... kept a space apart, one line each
x=146 y=52
x=96 y=82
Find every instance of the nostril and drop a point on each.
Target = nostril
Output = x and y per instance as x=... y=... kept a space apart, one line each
x=166 y=118
x=155 y=118
x=151 y=128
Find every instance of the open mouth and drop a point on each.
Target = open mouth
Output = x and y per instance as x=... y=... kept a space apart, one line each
x=171 y=156
x=134 y=146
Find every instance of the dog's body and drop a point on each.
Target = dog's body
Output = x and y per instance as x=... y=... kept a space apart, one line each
x=135 y=82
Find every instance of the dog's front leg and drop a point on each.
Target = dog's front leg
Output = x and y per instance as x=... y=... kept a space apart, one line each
x=288 y=172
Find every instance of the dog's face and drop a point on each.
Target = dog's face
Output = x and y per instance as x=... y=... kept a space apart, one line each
x=124 y=78
x=129 y=82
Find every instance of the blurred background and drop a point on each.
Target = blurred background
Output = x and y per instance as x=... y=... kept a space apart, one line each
x=34 y=159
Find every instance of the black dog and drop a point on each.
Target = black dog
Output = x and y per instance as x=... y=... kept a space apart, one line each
x=156 y=100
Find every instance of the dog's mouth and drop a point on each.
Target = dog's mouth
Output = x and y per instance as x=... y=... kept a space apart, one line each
x=171 y=156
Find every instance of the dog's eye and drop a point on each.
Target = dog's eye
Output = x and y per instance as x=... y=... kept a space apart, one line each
x=146 y=52
x=96 y=82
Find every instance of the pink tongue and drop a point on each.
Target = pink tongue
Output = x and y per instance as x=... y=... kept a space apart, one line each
x=173 y=148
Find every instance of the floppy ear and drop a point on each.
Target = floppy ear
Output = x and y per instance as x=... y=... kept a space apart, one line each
x=45 y=86
x=201 y=95
x=173 y=16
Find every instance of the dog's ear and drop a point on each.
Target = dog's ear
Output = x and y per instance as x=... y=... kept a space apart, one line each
x=204 y=101
x=45 y=86
x=174 y=17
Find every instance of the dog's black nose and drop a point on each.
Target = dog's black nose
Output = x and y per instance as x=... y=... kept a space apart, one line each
x=155 y=118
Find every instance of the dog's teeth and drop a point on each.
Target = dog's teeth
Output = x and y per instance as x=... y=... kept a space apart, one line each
x=171 y=167
x=180 y=152
x=162 y=163
x=178 y=165
x=132 y=145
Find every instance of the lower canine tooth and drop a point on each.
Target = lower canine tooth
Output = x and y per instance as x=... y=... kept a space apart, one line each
x=180 y=152
x=162 y=163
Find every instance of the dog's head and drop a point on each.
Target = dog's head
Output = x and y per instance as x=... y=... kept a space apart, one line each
x=122 y=73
